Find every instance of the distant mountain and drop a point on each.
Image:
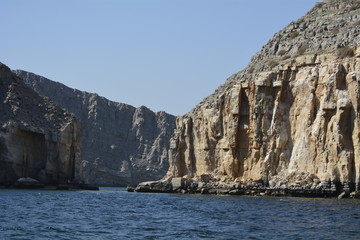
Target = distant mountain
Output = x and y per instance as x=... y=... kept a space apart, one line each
x=120 y=144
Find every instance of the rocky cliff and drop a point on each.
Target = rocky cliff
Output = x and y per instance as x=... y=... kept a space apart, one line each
x=38 y=139
x=120 y=144
x=290 y=119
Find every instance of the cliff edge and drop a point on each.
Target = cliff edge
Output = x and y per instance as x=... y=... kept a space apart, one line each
x=290 y=120
x=38 y=139
x=121 y=144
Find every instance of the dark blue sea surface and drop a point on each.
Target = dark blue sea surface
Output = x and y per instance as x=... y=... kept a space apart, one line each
x=116 y=214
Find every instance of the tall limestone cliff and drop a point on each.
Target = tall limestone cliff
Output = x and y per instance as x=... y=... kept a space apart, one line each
x=38 y=139
x=291 y=118
x=120 y=144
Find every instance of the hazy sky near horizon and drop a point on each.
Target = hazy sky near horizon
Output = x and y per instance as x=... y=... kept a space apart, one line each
x=164 y=54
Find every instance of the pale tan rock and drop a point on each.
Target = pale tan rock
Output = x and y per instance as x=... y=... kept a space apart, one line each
x=309 y=125
x=294 y=125
x=304 y=60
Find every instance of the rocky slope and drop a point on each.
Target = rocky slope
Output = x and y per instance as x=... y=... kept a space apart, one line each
x=290 y=120
x=38 y=139
x=120 y=144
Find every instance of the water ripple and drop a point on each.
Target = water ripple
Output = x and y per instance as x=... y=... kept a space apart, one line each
x=116 y=214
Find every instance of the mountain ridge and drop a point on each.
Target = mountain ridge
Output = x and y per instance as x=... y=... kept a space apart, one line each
x=38 y=139
x=288 y=121
x=121 y=144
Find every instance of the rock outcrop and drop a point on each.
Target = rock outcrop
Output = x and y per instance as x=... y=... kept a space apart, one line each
x=38 y=139
x=121 y=144
x=291 y=119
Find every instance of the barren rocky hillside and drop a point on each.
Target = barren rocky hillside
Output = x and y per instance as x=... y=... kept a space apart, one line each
x=38 y=139
x=291 y=118
x=121 y=144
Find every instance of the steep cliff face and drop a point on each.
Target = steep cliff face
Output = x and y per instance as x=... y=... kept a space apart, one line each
x=291 y=118
x=37 y=138
x=120 y=144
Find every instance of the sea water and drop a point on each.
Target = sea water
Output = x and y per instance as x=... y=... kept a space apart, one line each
x=116 y=214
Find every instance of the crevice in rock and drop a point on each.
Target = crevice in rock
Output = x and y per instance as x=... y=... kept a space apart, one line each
x=241 y=150
x=192 y=158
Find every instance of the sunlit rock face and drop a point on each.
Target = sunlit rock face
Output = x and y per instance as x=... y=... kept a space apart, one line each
x=291 y=117
x=38 y=139
x=121 y=144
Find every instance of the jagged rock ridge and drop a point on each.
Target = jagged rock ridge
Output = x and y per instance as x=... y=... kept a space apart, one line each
x=38 y=139
x=121 y=144
x=291 y=118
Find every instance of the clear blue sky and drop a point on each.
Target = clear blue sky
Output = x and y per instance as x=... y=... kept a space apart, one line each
x=164 y=54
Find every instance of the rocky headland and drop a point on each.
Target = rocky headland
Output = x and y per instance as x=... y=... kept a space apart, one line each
x=288 y=124
x=120 y=144
x=39 y=141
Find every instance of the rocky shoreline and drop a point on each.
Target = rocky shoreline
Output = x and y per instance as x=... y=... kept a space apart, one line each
x=326 y=189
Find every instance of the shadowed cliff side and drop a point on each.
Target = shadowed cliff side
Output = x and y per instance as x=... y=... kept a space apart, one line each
x=121 y=144
x=38 y=139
